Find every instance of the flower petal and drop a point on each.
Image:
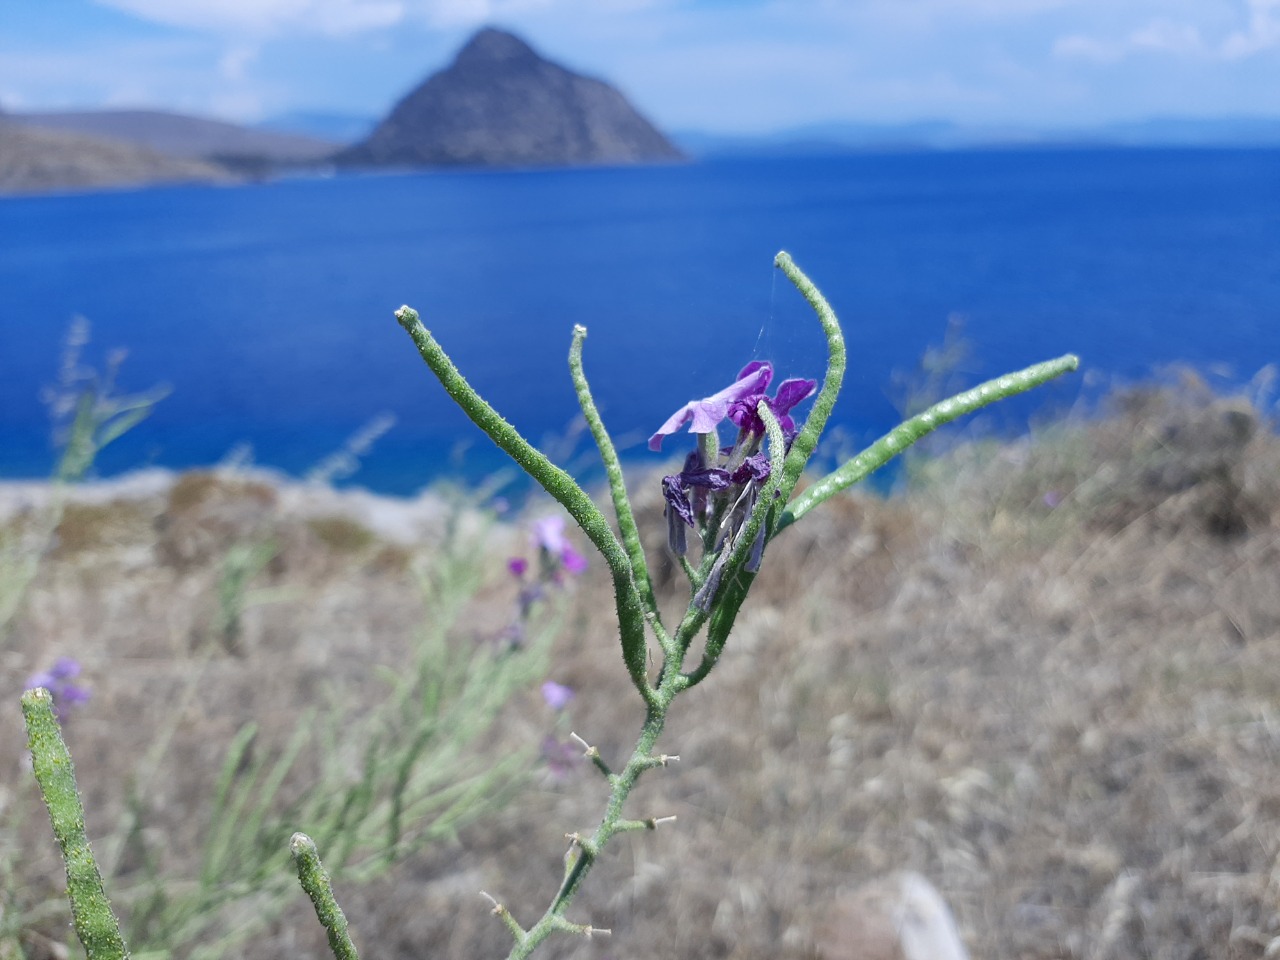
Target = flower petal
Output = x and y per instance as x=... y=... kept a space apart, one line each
x=790 y=393
x=548 y=533
x=677 y=501
x=707 y=413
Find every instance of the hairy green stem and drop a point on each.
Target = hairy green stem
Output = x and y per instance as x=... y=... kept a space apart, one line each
x=95 y=924
x=806 y=440
x=617 y=486
x=561 y=486
x=586 y=850
x=315 y=881
x=904 y=435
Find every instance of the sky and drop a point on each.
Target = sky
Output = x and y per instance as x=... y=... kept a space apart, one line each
x=717 y=66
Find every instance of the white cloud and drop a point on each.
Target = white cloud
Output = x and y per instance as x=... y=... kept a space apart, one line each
x=1259 y=33
x=1168 y=37
x=1076 y=46
x=233 y=62
x=263 y=17
x=1262 y=32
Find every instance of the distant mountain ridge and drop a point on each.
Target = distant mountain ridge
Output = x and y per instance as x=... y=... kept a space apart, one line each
x=329 y=125
x=37 y=160
x=501 y=104
x=180 y=135
x=843 y=137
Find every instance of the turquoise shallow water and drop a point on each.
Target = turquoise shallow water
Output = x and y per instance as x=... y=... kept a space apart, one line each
x=267 y=308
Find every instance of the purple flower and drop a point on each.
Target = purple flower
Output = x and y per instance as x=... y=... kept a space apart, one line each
x=573 y=562
x=57 y=680
x=548 y=533
x=790 y=394
x=704 y=415
x=556 y=695
x=718 y=499
x=517 y=566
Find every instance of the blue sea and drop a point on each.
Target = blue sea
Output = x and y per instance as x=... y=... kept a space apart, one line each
x=267 y=309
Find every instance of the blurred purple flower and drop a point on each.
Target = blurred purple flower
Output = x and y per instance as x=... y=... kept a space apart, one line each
x=703 y=415
x=556 y=695
x=560 y=756
x=574 y=563
x=517 y=566
x=548 y=533
x=57 y=680
x=1052 y=499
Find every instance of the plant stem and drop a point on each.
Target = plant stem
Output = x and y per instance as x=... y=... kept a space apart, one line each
x=905 y=434
x=315 y=881
x=95 y=924
x=806 y=440
x=613 y=470
x=631 y=610
x=589 y=849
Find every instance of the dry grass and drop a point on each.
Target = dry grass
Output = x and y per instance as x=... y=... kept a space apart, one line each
x=1065 y=716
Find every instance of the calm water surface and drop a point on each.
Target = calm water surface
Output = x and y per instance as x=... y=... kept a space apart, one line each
x=268 y=309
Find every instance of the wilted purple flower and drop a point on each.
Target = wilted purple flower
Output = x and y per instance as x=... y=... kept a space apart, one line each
x=57 y=680
x=556 y=695
x=694 y=479
x=704 y=415
x=684 y=509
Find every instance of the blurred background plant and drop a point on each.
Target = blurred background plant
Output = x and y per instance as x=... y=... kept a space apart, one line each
x=87 y=414
x=375 y=780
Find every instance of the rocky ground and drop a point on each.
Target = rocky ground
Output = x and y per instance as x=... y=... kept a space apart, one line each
x=1045 y=677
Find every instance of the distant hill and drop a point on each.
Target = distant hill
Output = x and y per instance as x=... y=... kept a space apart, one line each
x=334 y=127
x=501 y=104
x=944 y=135
x=179 y=135
x=37 y=160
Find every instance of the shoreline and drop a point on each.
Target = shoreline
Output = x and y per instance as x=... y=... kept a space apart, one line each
x=400 y=520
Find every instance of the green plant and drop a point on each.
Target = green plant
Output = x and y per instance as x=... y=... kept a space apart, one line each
x=733 y=500
x=88 y=415
x=383 y=778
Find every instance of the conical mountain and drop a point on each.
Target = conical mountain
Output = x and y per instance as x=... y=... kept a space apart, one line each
x=501 y=104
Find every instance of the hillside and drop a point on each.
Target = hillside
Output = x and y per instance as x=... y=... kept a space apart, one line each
x=501 y=104
x=179 y=135
x=34 y=160
x=1045 y=677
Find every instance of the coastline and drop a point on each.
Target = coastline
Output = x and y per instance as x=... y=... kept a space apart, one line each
x=403 y=521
